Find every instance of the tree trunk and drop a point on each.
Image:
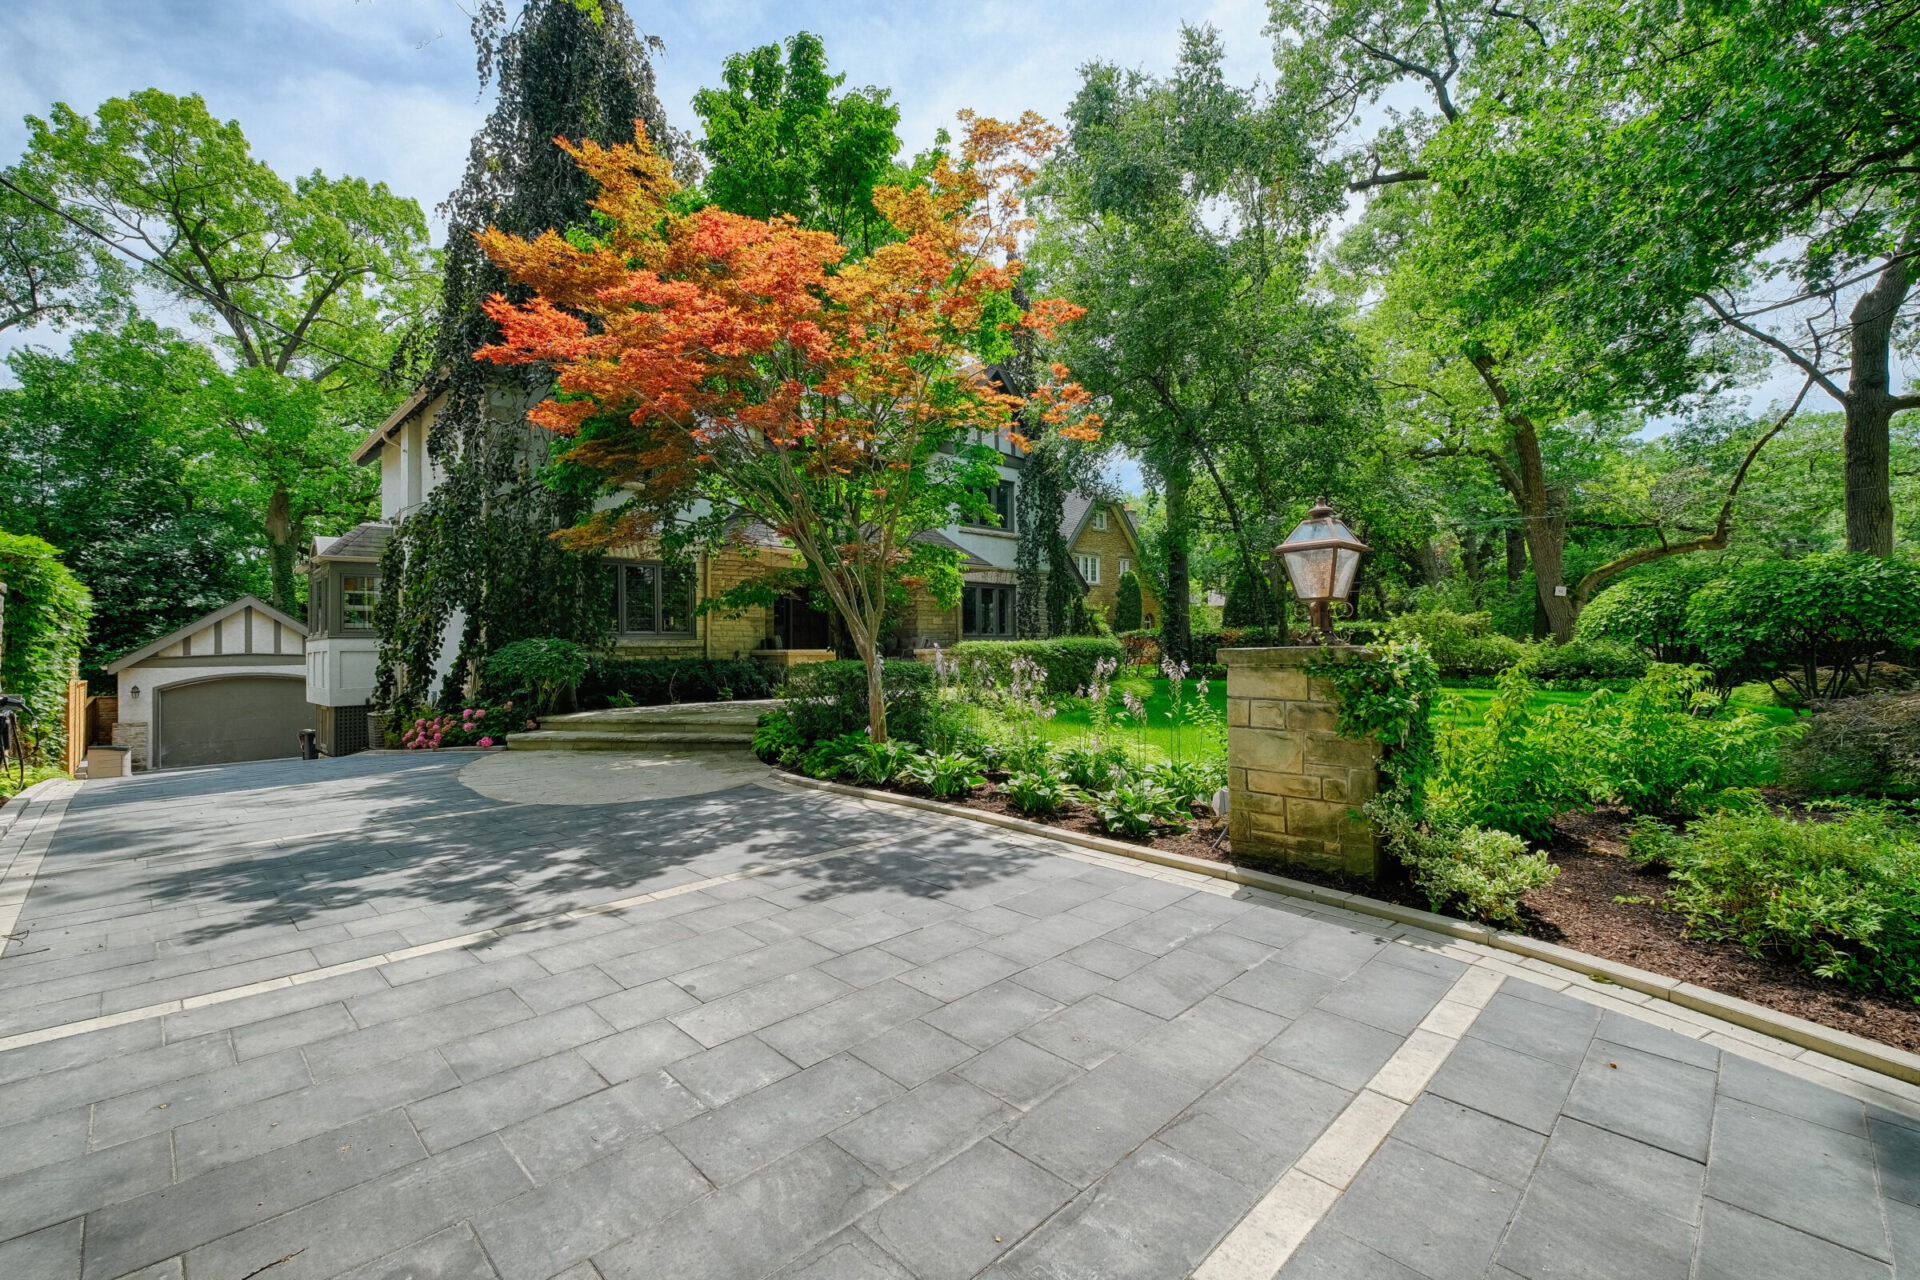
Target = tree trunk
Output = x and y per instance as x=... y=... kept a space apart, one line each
x=1516 y=557
x=1543 y=510
x=876 y=686
x=1870 y=409
x=1176 y=626
x=280 y=549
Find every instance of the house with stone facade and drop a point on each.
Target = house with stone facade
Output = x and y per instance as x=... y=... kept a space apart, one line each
x=655 y=605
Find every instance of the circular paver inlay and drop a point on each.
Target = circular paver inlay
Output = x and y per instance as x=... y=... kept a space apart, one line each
x=607 y=777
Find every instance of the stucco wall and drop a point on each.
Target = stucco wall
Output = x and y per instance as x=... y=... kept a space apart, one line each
x=138 y=685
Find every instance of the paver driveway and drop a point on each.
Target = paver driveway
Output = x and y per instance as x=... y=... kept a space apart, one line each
x=369 y=1022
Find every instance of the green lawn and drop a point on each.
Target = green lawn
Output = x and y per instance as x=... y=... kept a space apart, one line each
x=1457 y=706
x=35 y=773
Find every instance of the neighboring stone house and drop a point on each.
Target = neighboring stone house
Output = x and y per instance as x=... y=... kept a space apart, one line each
x=1105 y=543
x=654 y=612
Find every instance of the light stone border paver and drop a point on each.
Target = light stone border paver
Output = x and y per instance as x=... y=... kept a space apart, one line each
x=1863 y=1069
x=1262 y=1241
x=23 y=844
x=146 y=1012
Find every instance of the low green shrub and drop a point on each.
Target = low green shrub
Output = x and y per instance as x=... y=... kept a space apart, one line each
x=1192 y=782
x=1067 y=660
x=1868 y=745
x=948 y=775
x=1476 y=871
x=882 y=763
x=1128 y=611
x=1513 y=771
x=1587 y=659
x=1037 y=794
x=543 y=671
x=774 y=734
x=1816 y=624
x=1665 y=746
x=1648 y=611
x=834 y=757
x=653 y=682
x=1460 y=643
x=48 y=610
x=1840 y=895
x=1090 y=767
x=1138 y=806
x=827 y=699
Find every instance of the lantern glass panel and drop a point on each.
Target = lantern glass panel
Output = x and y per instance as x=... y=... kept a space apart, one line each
x=1347 y=563
x=1312 y=572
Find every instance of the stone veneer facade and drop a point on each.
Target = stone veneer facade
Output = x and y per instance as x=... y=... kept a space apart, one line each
x=1295 y=782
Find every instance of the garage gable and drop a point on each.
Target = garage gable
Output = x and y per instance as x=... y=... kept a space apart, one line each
x=248 y=632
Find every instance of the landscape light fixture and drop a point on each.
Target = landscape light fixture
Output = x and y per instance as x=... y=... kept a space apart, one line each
x=1322 y=556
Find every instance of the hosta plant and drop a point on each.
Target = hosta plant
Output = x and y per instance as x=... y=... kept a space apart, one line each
x=1037 y=794
x=951 y=774
x=1138 y=807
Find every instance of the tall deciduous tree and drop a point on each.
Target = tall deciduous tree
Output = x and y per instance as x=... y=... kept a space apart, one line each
x=747 y=366
x=116 y=451
x=1179 y=214
x=779 y=141
x=1648 y=171
x=315 y=288
x=481 y=547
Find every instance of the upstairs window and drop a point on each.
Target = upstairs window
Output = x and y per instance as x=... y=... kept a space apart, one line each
x=652 y=599
x=1126 y=566
x=1000 y=502
x=1100 y=519
x=1089 y=566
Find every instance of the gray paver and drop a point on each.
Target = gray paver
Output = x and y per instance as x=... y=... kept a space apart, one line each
x=757 y=1007
x=912 y=1052
x=1020 y=1072
x=1644 y=1096
x=178 y=1102
x=904 y=1138
x=582 y=1131
x=1391 y=1208
x=851 y=1255
x=1090 y=1032
x=51 y=1253
x=1083 y=1130
x=1500 y=1150
x=1737 y=1245
x=569 y=1220
x=959 y=1218
x=853 y=1019
x=735 y=1069
x=452 y=1254
x=1798 y=1173
x=1327 y=1254
x=734 y=1140
x=1333 y=1048
x=638 y=1051
x=460 y=1115
x=756 y=1225
x=41 y=1197
x=173 y=1219
x=1504 y=1082
x=1256 y=1123
x=991 y=1014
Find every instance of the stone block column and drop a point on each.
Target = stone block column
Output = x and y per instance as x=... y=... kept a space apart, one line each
x=1296 y=784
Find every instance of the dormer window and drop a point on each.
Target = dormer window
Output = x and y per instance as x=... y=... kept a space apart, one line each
x=1100 y=519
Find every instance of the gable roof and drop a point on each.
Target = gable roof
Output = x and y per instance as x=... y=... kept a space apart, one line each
x=363 y=542
x=369 y=447
x=213 y=619
x=1079 y=508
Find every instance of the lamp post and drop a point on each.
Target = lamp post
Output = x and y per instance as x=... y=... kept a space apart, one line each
x=1321 y=555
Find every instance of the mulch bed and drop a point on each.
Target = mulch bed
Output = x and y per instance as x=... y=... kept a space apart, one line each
x=1579 y=909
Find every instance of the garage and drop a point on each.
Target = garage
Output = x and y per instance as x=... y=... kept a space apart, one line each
x=227 y=687
x=228 y=719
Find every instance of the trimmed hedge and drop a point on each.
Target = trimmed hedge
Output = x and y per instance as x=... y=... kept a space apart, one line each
x=48 y=610
x=827 y=699
x=653 y=682
x=1068 y=660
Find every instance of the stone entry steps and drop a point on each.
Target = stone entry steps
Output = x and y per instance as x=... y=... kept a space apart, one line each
x=686 y=726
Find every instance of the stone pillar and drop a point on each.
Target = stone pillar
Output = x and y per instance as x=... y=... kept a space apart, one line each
x=1296 y=783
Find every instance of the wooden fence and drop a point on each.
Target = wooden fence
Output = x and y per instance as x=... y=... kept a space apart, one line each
x=76 y=725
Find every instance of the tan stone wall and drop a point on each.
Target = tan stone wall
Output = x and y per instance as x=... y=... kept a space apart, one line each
x=923 y=620
x=1111 y=545
x=132 y=734
x=1295 y=782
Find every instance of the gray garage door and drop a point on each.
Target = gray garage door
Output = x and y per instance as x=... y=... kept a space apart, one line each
x=231 y=718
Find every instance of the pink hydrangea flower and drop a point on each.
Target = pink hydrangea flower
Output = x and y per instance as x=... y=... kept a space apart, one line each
x=486 y=742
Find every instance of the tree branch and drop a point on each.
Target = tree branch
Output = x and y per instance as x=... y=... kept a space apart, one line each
x=1799 y=361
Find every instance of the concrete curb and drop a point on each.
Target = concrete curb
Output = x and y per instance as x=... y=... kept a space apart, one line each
x=1858 y=1050
x=17 y=803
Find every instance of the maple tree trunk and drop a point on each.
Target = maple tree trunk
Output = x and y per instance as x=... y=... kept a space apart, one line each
x=1869 y=405
x=280 y=550
x=1516 y=556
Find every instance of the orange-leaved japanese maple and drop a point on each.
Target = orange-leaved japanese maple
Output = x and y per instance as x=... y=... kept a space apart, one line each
x=712 y=368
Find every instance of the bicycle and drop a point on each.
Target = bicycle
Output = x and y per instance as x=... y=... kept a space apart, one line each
x=13 y=737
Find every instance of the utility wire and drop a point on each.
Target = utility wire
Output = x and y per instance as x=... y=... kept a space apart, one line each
x=196 y=286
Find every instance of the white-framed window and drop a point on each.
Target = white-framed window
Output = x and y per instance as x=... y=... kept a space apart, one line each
x=1126 y=565
x=1100 y=519
x=1089 y=566
x=359 y=592
x=652 y=599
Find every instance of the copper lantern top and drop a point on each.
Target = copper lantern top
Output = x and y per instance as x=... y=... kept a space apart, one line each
x=1322 y=556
